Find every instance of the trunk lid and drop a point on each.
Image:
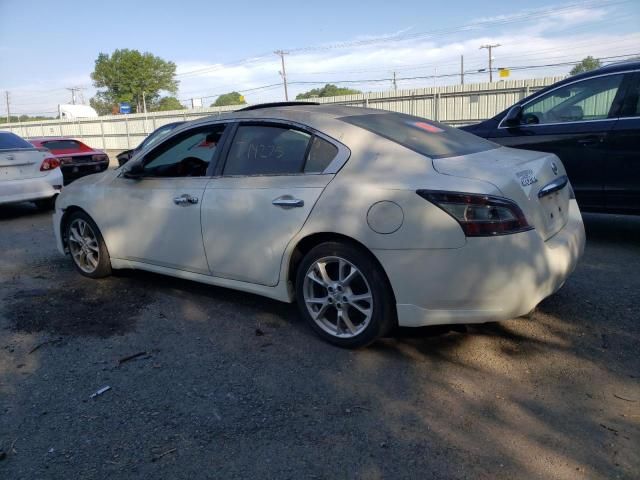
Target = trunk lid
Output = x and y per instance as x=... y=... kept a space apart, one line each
x=21 y=164
x=534 y=180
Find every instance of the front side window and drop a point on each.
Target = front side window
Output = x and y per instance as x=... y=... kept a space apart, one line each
x=581 y=101
x=267 y=150
x=187 y=155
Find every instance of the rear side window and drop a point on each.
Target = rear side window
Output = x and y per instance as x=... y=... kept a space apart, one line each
x=321 y=154
x=426 y=137
x=11 y=141
x=267 y=150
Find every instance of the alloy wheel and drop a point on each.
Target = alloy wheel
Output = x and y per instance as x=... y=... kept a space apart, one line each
x=338 y=297
x=83 y=245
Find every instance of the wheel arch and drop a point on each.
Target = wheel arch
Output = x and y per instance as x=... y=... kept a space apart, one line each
x=68 y=211
x=305 y=244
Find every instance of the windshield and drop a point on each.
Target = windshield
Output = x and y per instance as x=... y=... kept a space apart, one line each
x=426 y=137
x=11 y=141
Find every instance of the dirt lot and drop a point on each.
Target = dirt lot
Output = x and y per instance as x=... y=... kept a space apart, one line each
x=232 y=385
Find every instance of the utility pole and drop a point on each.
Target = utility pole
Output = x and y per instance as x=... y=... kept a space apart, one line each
x=144 y=103
x=283 y=73
x=395 y=83
x=73 y=91
x=6 y=96
x=461 y=69
x=490 y=47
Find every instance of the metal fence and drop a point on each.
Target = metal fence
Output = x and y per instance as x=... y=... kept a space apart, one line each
x=454 y=104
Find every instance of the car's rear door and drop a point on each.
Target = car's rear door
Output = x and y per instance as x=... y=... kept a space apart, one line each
x=573 y=121
x=155 y=219
x=273 y=174
x=622 y=170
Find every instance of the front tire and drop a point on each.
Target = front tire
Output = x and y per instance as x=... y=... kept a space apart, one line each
x=88 y=251
x=344 y=295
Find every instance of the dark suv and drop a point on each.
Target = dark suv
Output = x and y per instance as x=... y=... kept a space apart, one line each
x=592 y=122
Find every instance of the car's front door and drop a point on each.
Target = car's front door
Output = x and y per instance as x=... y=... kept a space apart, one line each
x=156 y=218
x=273 y=175
x=622 y=172
x=574 y=122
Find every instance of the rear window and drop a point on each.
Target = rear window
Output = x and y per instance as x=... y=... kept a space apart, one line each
x=11 y=141
x=64 y=145
x=428 y=138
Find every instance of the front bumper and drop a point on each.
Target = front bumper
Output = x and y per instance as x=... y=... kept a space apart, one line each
x=489 y=279
x=29 y=189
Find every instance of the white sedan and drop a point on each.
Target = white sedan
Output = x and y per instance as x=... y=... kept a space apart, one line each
x=368 y=219
x=27 y=173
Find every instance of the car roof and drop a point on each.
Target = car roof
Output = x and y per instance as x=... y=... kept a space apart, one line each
x=51 y=139
x=303 y=113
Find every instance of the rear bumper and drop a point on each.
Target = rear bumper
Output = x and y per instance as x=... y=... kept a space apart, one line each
x=489 y=279
x=28 y=189
x=74 y=171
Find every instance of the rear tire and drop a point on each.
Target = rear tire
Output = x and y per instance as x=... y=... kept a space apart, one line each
x=344 y=295
x=89 y=253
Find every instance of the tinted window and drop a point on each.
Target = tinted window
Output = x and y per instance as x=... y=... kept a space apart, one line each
x=631 y=107
x=187 y=155
x=267 y=150
x=428 y=138
x=320 y=155
x=10 y=140
x=586 y=100
x=64 y=145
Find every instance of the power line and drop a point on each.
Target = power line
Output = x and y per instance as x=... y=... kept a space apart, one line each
x=490 y=47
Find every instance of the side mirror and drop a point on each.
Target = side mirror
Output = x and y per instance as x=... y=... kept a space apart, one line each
x=124 y=157
x=134 y=172
x=514 y=116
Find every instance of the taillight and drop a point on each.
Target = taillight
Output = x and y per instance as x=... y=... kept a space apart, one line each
x=49 y=164
x=479 y=215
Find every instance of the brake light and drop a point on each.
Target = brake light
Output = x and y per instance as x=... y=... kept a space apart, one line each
x=49 y=163
x=480 y=215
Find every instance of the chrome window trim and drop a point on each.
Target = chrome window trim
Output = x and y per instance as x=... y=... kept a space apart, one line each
x=562 y=86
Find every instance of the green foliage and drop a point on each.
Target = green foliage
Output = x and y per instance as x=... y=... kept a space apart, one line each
x=103 y=107
x=329 y=90
x=587 y=64
x=24 y=118
x=126 y=74
x=231 y=98
x=165 y=104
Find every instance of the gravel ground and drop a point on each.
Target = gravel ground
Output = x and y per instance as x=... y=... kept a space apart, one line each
x=230 y=385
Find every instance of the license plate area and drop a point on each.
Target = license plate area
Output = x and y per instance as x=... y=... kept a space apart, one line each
x=555 y=207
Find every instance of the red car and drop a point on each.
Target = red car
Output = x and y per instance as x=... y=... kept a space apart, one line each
x=76 y=158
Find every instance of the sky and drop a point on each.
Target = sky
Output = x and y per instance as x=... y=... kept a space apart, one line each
x=218 y=47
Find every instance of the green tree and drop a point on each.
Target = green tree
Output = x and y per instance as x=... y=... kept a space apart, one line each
x=329 y=90
x=103 y=107
x=126 y=74
x=586 y=64
x=165 y=104
x=231 y=98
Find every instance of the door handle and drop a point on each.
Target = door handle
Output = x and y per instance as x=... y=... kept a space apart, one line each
x=288 y=201
x=590 y=140
x=185 y=199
